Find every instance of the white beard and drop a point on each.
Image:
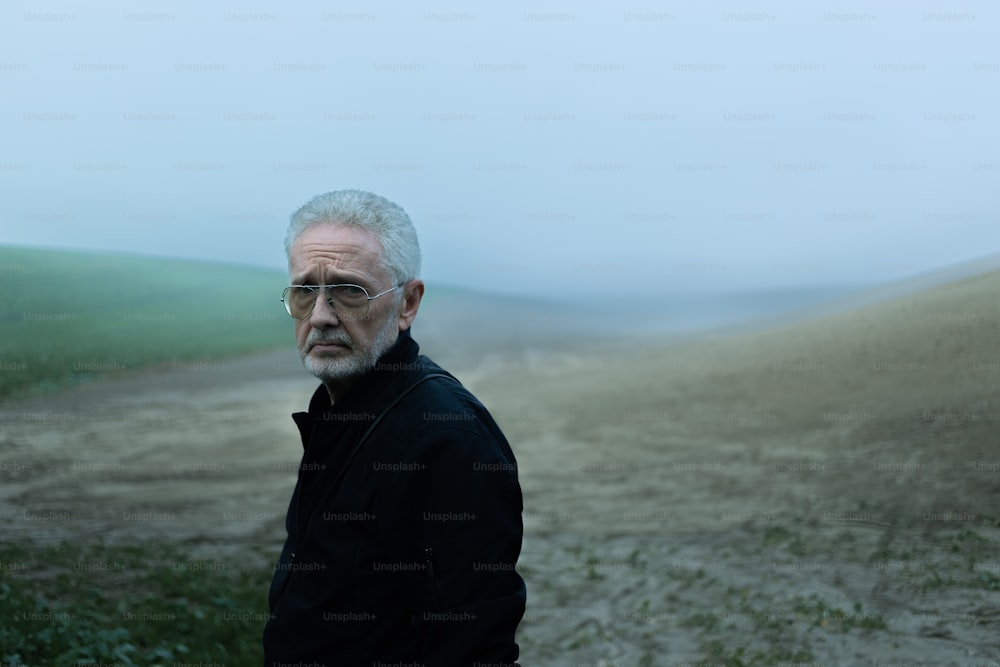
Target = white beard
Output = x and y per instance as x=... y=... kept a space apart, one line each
x=356 y=362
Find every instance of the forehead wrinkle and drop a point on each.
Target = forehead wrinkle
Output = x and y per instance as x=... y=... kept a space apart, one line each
x=320 y=260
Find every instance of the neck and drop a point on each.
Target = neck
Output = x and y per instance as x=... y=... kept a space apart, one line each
x=336 y=389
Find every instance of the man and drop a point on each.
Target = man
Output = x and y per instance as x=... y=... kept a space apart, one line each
x=405 y=524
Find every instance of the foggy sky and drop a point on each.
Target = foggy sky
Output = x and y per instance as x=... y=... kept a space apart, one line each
x=557 y=148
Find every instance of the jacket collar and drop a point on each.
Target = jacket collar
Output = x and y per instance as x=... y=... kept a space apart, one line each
x=373 y=390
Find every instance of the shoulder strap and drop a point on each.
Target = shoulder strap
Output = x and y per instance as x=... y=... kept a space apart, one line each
x=361 y=442
x=402 y=394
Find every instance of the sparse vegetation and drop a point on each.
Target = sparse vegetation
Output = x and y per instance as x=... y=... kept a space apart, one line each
x=145 y=605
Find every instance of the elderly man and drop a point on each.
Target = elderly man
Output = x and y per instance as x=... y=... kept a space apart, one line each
x=405 y=525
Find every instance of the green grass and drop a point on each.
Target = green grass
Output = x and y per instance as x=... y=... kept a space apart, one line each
x=73 y=317
x=137 y=605
x=819 y=614
x=716 y=652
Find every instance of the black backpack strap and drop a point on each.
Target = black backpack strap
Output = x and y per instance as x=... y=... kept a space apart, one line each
x=388 y=408
x=361 y=442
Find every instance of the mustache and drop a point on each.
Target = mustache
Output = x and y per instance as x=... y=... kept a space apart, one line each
x=315 y=336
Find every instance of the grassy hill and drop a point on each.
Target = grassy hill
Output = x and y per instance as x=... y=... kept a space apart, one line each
x=897 y=404
x=70 y=317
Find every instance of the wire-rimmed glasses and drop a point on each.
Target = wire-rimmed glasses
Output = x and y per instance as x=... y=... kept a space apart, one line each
x=350 y=302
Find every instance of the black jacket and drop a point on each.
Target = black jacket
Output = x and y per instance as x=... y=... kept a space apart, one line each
x=403 y=529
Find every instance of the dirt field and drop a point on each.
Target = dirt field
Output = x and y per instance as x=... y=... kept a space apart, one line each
x=822 y=494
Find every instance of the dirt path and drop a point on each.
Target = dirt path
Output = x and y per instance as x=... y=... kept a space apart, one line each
x=193 y=453
x=204 y=453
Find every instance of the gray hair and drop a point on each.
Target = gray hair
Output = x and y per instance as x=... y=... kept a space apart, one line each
x=357 y=208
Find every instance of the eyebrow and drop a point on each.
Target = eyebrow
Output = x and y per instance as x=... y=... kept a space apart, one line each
x=306 y=279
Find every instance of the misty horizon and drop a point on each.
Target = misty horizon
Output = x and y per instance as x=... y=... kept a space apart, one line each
x=536 y=151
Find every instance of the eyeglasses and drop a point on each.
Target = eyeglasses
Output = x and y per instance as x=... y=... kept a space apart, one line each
x=350 y=302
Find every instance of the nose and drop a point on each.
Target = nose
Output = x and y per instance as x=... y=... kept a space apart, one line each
x=323 y=315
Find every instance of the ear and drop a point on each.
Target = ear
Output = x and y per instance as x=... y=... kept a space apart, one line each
x=413 y=292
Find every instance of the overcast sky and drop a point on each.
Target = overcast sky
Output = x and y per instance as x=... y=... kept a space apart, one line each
x=548 y=147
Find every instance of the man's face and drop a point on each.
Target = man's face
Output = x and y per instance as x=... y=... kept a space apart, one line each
x=333 y=348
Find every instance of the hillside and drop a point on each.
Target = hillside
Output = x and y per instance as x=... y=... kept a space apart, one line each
x=892 y=407
x=73 y=317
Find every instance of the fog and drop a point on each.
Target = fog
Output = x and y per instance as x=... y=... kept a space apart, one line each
x=560 y=149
